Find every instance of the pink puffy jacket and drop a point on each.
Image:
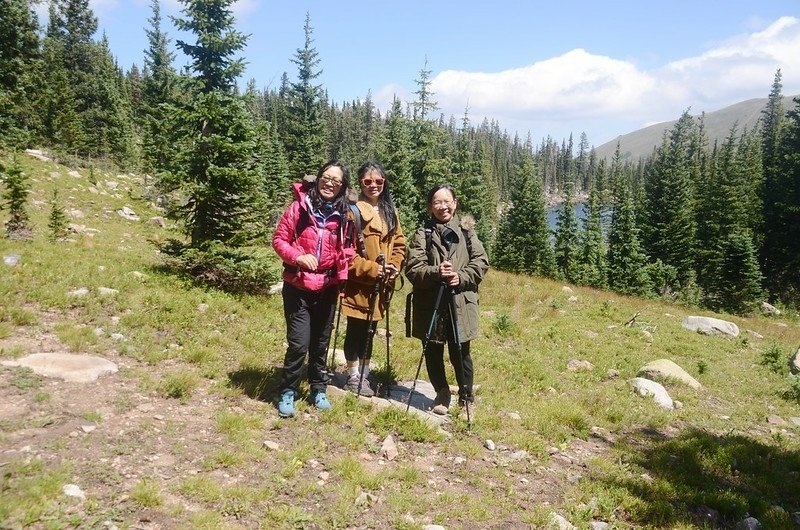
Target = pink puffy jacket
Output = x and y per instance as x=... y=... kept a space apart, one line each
x=326 y=244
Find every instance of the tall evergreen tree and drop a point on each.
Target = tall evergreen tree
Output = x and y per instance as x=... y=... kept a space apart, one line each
x=305 y=133
x=627 y=263
x=213 y=166
x=738 y=279
x=668 y=222
x=158 y=92
x=396 y=155
x=523 y=241
x=19 y=53
x=567 y=240
x=594 y=268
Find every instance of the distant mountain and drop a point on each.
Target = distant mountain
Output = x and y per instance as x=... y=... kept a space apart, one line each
x=718 y=125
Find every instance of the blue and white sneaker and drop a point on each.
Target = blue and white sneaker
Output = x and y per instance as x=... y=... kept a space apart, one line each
x=286 y=404
x=320 y=400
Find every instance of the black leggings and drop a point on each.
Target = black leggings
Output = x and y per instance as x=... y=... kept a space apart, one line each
x=309 y=315
x=355 y=341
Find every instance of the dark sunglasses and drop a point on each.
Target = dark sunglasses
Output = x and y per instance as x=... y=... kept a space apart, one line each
x=370 y=181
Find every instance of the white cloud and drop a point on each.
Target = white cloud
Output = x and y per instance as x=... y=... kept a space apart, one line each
x=580 y=91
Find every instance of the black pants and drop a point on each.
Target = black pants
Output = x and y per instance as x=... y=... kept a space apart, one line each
x=355 y=341
x=309 y=316
x=434 y=362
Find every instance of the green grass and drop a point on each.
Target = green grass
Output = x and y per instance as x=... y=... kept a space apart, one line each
x=184 y=344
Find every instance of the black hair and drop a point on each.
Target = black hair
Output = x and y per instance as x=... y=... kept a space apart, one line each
x=444 y=186
x=385 y=198
x=340 y=201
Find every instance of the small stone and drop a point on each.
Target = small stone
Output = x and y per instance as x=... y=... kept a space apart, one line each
x=272 y=446
x=12 y=260
x=489 y=444
x=117 y=337
x=88 y=428
x=99 y=332
x=574 y=479
x=591 y=334
x=612 y=373
x=433 y=527
x=72 y=490
x=572 y=299
x=566 y=289
x=598 y=525
x=519 y=455
x=158 y=417
x=514 y=416
x=750 y=523
x=139 y=275
x=795 y=420
x=774 y=419
x=755 y=334
x=107 y=291
x=558 y=522
x=79 y=292
x=202 y=308
x=324 y=475
x=275 y=288
x=388 y=448
x=575 y=365
x=459 y=460
x=365 y=499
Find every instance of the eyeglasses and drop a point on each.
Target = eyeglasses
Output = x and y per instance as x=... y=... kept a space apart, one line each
x=442 y=204
x=331 y=181
x=378 y=181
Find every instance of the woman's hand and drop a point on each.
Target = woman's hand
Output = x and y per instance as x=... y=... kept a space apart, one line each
x=391 y=272
x=448 y=275
x=307 y=261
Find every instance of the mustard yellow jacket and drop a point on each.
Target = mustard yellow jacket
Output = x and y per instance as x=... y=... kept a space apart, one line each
x=363 y=272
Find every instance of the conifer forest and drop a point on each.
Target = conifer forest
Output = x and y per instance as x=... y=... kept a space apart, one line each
x=714 y=224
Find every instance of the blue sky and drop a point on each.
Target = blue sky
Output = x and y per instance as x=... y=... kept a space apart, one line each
x=548 y=68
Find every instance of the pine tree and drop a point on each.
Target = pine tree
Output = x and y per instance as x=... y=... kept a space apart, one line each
x=627 y=264
x=738 y=278
x=158 y=92
x=57 y=221
x=668 y=222
x=19 y=54
x=213 y=164
x=523 y=241
x=15 y=196
x=396 y=155
x=594 y=268
x=305 y=133
x=567 y=240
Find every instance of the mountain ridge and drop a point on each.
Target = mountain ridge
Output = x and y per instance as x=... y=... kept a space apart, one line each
x=718 y=123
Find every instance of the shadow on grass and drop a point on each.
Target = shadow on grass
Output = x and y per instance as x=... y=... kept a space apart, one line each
x=713 y=480
x=257 y=383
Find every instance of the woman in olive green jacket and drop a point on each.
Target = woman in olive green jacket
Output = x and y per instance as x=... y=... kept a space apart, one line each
x=380 y=234
x=446 y=254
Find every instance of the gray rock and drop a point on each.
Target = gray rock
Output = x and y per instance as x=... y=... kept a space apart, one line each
x=664 y=369
x=139 y=275
x=433 y=527
x=646 y=387
x=489 y=444
x=12 y=260
x=558 y=522
x=575 y=365
x=751 y=523
x=598 y=525
x=272 y=446
x=572 y=299
x=127 y=213
x=158 y=221
x=566 y=289
x=710 y=326
x=365 y=499
x=276 y=288
x=107 y=291
x=389 y=448
x=794 y=362
x=755 y=334
x=769 y=309
x=612 y=373
x=74 y=174
x=76 y=214
x=774 y=419
x=72 y=490
x=79 y=292
x=66 y=366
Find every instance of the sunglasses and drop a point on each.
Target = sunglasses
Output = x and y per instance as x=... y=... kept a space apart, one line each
x=370 y=181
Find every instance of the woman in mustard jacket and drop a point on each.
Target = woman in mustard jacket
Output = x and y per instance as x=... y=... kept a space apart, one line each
x=379 y=235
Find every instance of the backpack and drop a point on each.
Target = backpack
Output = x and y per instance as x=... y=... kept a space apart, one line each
x=355 y=234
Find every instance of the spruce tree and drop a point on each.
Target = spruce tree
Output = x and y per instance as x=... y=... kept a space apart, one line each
x=19 y=54
x=396 y=156
x=57 y=221
x=668 y=221
x=738 y=278
x=14 y=198
x=305 y=134
x=594 y=268
x=627 y=263
x=567 y=240
x=213 y=166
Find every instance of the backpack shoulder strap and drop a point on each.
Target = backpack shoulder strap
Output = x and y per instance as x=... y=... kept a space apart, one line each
x=356 y=233
x=468 y=239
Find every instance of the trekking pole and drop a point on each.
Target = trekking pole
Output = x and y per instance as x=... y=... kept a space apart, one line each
x=462 y=390
x=427 y=339
x=370 y=328
x=390 y=289
x=332 y=352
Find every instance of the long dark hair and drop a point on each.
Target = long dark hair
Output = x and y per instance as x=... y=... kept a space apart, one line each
x=340 y=202
x=385 y=198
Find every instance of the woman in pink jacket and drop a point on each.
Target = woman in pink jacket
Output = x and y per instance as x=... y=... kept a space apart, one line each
x=310 y=239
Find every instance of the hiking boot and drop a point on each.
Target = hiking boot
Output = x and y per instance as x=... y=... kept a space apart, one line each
x=286 y=404
x=352 y=386
x=320 y=400
x=441 y=404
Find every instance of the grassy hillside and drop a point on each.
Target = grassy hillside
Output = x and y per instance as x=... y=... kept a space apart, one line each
x=640 y=143
x=176 y=438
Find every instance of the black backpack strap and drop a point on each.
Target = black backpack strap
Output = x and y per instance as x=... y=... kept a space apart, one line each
x=356 y=234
